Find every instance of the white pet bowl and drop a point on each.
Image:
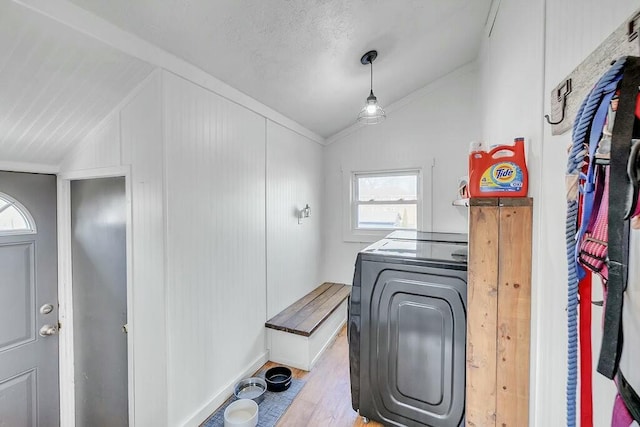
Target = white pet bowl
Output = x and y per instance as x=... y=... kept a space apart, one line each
x=241 y=413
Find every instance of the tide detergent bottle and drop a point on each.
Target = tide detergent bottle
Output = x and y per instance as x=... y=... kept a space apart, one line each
x=501 y=172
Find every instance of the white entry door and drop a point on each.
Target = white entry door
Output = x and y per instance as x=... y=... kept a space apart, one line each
x=29 y=393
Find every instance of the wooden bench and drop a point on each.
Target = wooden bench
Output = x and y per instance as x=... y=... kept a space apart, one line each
x=299 y=334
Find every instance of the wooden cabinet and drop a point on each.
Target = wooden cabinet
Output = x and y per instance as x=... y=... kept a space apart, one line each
x=499 y=312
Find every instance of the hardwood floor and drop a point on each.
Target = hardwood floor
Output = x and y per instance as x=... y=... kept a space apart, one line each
x=325 y=400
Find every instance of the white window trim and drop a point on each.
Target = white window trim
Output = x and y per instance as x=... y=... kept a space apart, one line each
x=366 y=235
x=31 y=223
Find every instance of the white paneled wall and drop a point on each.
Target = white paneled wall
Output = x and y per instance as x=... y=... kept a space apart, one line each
x=133 y=137
x=436 y=124
x=141 y=133
x=203 y=204
x=216 y=285
x=520 y=65
x=294 y=178
x=99 y=149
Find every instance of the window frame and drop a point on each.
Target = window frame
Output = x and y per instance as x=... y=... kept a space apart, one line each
x=353 y=233
x=12 y=202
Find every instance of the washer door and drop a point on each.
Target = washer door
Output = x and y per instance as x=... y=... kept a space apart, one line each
x=416 y=348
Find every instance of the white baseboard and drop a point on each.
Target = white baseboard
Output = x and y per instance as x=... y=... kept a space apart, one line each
x=224 y=393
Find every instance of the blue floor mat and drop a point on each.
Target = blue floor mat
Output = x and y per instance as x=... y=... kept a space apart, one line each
x=270 y=409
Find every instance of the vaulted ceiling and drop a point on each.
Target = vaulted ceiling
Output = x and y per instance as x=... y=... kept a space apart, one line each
x=300 y=58
x=55 y=85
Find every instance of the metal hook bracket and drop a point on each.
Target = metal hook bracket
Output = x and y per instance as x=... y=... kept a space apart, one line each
x=562 y=92
x=632 y=29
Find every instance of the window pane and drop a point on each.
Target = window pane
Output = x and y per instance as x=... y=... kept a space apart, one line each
x=387 y=188
x=12 y=219
x=387 y=216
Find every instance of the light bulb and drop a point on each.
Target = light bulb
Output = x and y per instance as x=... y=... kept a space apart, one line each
x=371 y=108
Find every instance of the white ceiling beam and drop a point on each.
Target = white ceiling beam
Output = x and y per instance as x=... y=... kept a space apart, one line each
x=100 y=29
x=29 y=167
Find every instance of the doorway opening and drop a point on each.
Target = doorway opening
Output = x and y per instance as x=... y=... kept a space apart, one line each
x=96 y=377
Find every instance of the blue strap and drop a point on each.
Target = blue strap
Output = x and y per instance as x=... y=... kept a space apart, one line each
x=588 y=189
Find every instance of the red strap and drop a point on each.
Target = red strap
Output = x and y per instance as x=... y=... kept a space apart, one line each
x=586 y=366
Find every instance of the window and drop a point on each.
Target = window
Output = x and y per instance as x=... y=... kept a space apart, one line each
x=384 y=201
x=14 y=218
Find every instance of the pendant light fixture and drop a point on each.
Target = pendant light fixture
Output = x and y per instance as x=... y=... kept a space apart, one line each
x=371 y=113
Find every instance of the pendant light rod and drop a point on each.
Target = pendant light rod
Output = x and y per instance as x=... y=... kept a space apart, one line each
x=368 y=58
x=371 y=77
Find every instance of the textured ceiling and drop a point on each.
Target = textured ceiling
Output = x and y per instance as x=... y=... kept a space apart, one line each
x=56 y=85
x=302 y=58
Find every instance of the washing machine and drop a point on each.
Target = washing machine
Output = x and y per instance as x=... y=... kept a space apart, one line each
x=407 y=330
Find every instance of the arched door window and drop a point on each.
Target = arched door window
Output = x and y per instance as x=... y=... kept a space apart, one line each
x=14 y=218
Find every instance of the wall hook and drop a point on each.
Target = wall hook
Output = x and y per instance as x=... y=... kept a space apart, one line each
x=561 y=94
x=304 y=213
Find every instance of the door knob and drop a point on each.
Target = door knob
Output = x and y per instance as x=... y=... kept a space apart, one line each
x=47 y=330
